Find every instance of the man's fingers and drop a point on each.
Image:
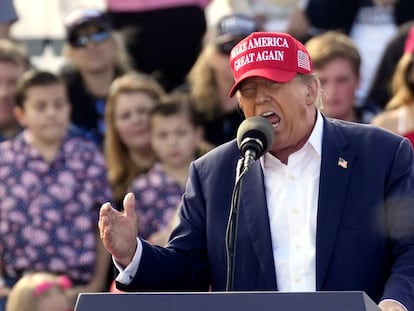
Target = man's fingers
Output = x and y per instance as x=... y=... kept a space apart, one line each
x=129 y=205
x=103 y=217
x=105 y=209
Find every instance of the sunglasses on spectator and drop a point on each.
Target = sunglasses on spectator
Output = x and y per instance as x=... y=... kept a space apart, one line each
x=95 y=37
x=226 y=47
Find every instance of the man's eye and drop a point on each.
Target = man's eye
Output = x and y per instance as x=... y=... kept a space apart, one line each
x=247 y=88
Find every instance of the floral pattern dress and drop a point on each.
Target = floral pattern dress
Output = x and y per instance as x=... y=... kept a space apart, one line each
x=157 y=197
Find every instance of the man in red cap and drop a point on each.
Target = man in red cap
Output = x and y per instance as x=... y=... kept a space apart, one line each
x=328 y=208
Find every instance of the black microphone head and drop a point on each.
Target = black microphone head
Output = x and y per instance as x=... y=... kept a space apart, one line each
x=252 y=131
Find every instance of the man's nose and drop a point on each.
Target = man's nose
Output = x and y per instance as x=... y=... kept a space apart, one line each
x=262 y=96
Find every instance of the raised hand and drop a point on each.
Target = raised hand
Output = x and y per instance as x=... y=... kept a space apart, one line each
x=119 y=230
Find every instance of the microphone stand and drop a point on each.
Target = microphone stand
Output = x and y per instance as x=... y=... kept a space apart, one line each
x=232 y=224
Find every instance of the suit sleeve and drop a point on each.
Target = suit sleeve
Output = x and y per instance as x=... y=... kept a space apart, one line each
x=182 y=265
x=399 y=211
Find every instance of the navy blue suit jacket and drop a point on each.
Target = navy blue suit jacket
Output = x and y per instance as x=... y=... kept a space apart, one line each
x=365 y=221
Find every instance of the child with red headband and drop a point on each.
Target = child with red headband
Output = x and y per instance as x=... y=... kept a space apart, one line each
x=40 y=291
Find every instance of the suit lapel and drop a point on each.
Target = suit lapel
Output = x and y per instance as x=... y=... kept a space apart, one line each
x=254 y=207
x=336 y=166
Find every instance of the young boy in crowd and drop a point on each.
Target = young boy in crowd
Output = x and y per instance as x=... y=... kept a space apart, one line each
x=337 y=62
x=53 y=182
x=177 y=140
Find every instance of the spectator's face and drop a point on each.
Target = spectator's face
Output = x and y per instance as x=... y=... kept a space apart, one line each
x=339 y=83
x=174 y=139
x=96 y=55
x=290 y=107
x=9 y=74
x=46 y=113
x=131 y=118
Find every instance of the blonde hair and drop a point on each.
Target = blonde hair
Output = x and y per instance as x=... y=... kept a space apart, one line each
x=203 y=84
x=402 y=85
x=121 y=169
x=122 y=59
x=12 y=52
x=31 y=288
x=331 y=45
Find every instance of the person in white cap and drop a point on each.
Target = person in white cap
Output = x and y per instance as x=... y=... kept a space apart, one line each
x=328 y=208
x=211 y=78
x=95 y=57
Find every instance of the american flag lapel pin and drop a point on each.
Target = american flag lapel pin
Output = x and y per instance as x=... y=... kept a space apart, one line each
x=342 y=163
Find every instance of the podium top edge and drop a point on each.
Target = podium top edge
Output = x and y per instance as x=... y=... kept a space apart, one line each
x=230 y=293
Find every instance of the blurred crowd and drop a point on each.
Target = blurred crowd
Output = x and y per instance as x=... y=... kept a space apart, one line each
x=140 y=91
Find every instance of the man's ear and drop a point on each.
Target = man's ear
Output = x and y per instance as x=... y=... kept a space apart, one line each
x=312 y=92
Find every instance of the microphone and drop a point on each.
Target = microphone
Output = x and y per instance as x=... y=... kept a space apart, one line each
x=254 y=138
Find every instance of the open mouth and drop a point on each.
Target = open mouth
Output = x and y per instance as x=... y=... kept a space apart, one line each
x=272 y=117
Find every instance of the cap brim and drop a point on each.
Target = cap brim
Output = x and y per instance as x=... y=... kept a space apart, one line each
x=276 y=75
x=98 y=22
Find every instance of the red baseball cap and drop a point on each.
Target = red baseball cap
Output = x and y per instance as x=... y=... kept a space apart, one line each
x=272 y=55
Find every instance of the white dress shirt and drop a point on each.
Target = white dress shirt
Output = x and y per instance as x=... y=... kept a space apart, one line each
x=292 y=200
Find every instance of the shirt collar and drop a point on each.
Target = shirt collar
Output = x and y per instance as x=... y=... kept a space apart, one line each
x=315 y=140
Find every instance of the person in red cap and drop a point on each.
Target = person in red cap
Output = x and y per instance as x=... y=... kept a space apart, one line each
x=399 y=111
x=328 y=208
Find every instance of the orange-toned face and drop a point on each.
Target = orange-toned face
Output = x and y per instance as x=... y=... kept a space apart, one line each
x=288 y=106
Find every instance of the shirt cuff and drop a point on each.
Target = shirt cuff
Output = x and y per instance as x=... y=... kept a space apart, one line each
x=127 y=274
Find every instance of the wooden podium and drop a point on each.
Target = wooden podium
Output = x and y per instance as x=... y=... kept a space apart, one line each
x=226 y=301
